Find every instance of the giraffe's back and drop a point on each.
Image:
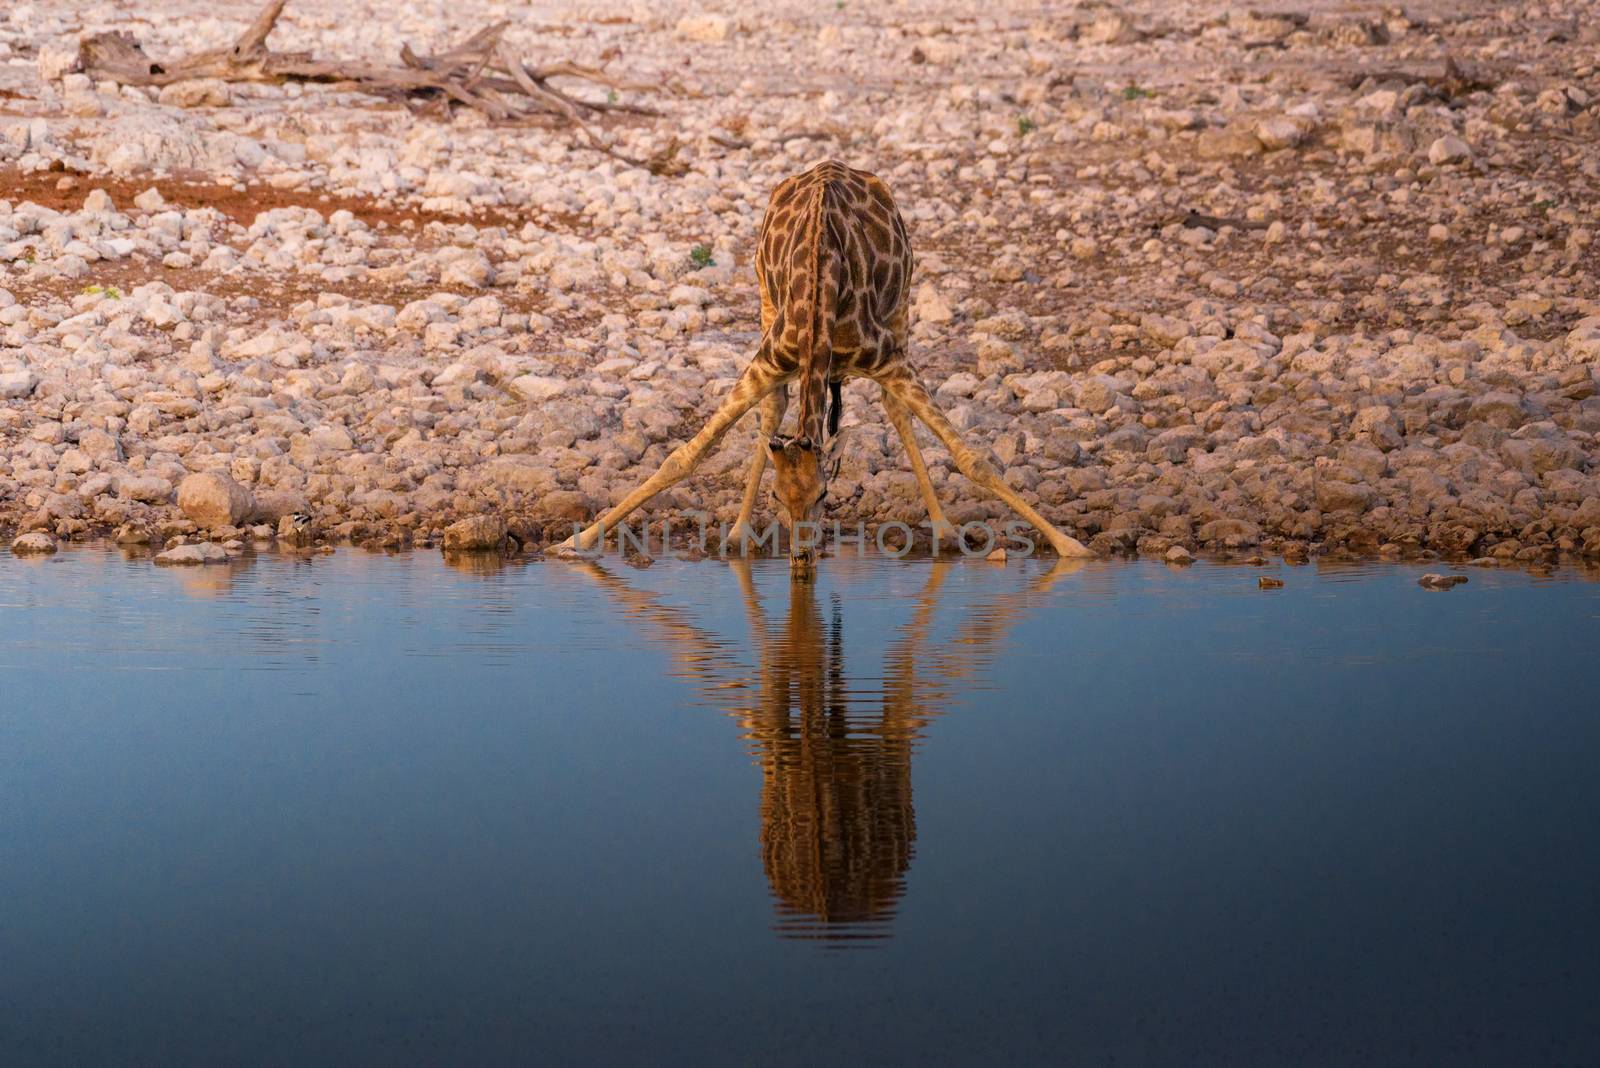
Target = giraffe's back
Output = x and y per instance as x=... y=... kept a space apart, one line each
x=846 y=220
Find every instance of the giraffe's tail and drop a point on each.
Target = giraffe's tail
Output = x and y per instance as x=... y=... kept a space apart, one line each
x=835 y=406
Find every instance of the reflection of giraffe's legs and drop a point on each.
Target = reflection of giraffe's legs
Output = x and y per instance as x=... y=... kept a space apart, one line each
x=900 y=416
x=973 y=464
x=772 y=409
x=757 y=381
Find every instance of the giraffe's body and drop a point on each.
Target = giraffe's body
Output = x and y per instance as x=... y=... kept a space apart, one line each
x=833 y=265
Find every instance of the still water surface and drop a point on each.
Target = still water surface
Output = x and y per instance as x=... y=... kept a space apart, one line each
x=358 y=809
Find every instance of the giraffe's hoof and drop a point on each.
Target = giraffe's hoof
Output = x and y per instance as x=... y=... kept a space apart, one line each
x=567 y=550
x=1072 y=548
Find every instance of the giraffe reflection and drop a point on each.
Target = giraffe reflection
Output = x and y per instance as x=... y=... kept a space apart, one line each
x=834 y=743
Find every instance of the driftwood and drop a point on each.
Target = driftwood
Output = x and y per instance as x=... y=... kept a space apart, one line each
x=1455 y=81
x=480 y=73
x=1196 y=219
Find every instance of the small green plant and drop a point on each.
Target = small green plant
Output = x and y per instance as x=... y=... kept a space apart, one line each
x=611 y=96
x=109 y=292
x=838 y=5
x=700 y=256
x=1543 y=205
x=1134 y=92
x=1025 y=126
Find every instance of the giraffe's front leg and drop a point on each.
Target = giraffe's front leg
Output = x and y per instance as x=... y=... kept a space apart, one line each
x=973 y=464
x=759 y=379
x=900 y=418
x=772 y=408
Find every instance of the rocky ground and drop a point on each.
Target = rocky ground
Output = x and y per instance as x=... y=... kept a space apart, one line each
x=1310 y=277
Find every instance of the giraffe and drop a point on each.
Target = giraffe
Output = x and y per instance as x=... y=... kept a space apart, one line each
x=833 y=266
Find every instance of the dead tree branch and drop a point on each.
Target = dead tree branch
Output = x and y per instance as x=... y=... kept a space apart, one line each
x=481 y=73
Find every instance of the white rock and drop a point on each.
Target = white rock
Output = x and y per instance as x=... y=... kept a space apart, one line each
x=200 y=553
x=334 y=438
x=213 y=499
x=537 y=388
x=476 y=532
x=197 y=93
x=1448 y=149
x=152 y=489
x=35 y=542
x=930 y=306
x=98 y=202
x=15 y=384
x=57 y=59
x=706 y=28
x=1284 y=131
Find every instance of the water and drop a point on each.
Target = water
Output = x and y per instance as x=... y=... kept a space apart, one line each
x=357 y=809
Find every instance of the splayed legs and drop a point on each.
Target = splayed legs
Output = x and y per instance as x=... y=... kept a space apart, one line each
x=905 y=388
x=758 y=380
x=900 y=417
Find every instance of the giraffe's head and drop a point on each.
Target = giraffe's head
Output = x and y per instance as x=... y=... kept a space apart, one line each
x=801 y=471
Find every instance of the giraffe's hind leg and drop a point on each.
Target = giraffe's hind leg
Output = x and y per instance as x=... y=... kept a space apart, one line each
x=905 y=387
x=900 y=418
x=759 y=379
x=773 y=405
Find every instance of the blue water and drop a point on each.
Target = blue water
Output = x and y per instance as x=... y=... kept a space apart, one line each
x=358 y=809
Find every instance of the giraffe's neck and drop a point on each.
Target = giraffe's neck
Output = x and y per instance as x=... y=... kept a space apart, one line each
x=816 y=353
x=813 y=401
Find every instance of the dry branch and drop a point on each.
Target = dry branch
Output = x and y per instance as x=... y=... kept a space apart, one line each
x=480 y=73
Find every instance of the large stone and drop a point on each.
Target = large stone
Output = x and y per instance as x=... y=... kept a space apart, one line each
x=538 y=388
x=213 y=499
x=152 y=489
x=704 y=28
x=568 y=505
x=1283 y=131
x=1583 y=343
x=197 y=93
x=34 y=543
x=188 y=555
x=273 y=504
x=1448 y=149
x=1499 y=408
x=931 y=306
x=1227 y=142
x=476 y=532
x=15 y=384
x=1378 y=424
x=1335 y=496
x=1232 y=533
